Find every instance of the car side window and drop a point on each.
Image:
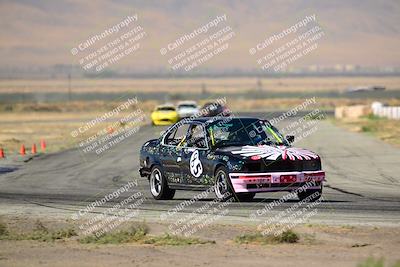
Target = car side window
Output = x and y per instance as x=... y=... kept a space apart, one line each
x=177 y=136
x=197 y=137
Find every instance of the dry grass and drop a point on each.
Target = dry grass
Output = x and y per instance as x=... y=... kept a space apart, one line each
x=55 y=128
x=373 y=262
x=257 y=238
x=39 y=233
x=385 y=129
x=136 y=233
x=288 y=103
x=216 y=85
x=139 y=235
x=58 y=108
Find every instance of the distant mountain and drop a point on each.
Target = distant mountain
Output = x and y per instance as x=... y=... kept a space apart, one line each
x=42 y=33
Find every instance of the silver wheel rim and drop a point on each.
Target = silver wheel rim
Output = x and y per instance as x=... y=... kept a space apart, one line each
x=221 y=186
x=155 y=182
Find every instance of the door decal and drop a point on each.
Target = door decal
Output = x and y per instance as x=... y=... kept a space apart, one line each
x=196 y=168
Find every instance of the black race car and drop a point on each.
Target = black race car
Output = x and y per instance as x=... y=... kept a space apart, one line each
x=238 y=156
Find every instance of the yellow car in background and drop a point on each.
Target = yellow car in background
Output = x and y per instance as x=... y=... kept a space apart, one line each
x=164 y=115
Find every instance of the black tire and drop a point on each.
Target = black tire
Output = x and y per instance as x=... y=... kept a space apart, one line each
x=158 y=184
x=311 y=195
x=223 y=189
x=245 y=197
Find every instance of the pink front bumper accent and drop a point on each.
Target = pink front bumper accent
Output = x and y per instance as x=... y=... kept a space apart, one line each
x=274 y=181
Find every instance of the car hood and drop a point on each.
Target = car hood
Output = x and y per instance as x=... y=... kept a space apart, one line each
x=164 y=113
x=268 y=152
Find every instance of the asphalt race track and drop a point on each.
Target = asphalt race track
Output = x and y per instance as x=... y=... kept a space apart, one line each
x=363 y=181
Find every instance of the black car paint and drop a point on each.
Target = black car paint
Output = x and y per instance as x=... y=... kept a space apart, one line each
x=175 y=161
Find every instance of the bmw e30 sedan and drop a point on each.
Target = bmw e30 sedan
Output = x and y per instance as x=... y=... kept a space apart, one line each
x=235 y=155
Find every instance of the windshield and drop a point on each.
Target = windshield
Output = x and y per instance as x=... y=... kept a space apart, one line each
x=237 y=132
x=166 y=109
x=187 y=106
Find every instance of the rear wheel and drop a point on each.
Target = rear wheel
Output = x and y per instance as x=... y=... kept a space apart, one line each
x=158 y=185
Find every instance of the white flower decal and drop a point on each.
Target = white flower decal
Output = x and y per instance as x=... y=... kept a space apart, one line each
x=272 y=153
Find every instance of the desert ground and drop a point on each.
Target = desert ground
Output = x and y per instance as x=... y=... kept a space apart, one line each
x=358 y=221
x=318 y=245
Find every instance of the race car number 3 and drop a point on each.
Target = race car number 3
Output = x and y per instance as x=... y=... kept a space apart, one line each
x=196 y=168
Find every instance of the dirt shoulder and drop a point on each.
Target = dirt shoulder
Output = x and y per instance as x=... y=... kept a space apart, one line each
x=385 y=129
x=317 y=245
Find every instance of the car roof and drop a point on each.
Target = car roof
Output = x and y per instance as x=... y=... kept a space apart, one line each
x=165 y=106
x=215 y=119
x=187 y=102
x=212 y=103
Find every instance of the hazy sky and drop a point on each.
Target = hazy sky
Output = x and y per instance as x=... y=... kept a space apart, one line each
x=42 y=33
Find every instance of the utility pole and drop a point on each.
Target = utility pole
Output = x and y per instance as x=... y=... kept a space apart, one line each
x=203 y=89
x=259 y=85
x=69 y=86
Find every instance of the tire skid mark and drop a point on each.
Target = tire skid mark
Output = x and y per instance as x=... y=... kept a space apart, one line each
x=358 y=194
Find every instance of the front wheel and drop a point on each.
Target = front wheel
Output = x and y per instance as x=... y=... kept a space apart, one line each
x=222 y=188
x=159 y=186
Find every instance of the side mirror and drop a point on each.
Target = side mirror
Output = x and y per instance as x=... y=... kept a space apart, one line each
x=290 y=138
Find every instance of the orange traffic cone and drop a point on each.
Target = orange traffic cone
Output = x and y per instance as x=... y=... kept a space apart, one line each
x=43 y=145
x=2 y=156
x=22 y=150
x=34 y=149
